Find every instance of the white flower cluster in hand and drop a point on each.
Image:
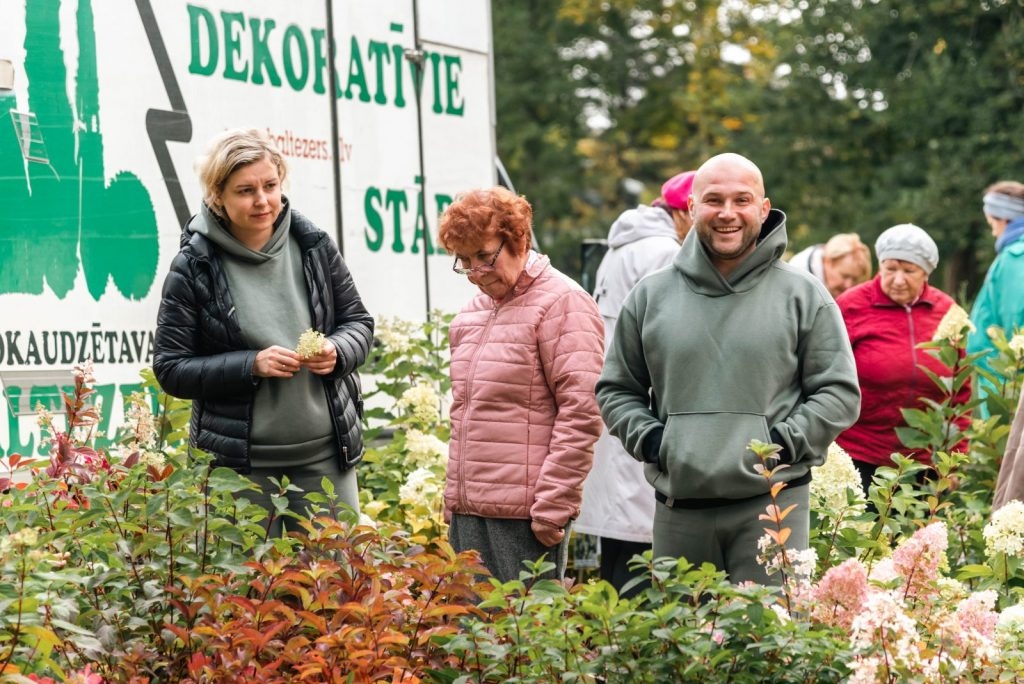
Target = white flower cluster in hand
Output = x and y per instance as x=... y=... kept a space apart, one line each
x=952 y=325
x=421 y=488
x=1005 y=533
x=424 y=449
x=833 y=479
x=311 y=343
x=423 y=402
x=395 y=335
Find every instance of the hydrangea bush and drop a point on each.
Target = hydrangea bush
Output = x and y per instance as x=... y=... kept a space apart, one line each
x=142 y=563
x=402 y=475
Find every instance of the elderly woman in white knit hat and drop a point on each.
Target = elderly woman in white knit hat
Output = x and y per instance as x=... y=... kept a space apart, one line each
x=886 y=318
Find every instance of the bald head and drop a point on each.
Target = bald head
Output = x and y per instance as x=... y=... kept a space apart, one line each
x=727 y=165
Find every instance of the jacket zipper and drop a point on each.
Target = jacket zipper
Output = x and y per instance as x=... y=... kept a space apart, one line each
x=913 y=347
x=463 y=499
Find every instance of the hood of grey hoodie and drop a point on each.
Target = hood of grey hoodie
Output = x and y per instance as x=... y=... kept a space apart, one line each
x=702 y=276
x=211 y=226
x=642 y=222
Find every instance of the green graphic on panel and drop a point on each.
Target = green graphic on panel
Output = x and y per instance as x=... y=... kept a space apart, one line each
x=59 y=210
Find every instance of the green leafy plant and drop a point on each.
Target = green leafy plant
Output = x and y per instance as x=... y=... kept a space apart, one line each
x=142 y=563
x=145 y=563
x=403 y=471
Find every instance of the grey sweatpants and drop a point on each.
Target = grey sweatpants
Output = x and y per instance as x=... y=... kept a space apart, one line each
x=726 y=536
x=308 y=479
x=504 y=545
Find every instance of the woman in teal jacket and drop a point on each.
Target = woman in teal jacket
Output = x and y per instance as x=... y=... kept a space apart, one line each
x=1000 y=302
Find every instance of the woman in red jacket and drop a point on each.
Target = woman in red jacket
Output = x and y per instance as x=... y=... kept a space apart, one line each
x=887 y=318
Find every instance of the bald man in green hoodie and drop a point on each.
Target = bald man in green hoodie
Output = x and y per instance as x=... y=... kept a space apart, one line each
x=729 y=345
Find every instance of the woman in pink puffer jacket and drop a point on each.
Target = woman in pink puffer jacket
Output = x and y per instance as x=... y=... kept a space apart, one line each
x=526 y=353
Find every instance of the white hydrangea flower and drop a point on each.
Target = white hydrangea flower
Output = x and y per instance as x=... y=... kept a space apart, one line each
x=951 y=589
x=952 y=325
x=832 y=479
x=1010 y=627
x=151 y=458
x=1005 y=532
x=884 y=613
x=420 y=488
x=84 y=372
x=395 y=335
x=1017 y=345
x=423 y=402
x=139 y=416
x=424 y=449
x=25 y=538
x=310 y=344
x=802 y=562
x=43 y=417
x=865 y=670
x=884 y=571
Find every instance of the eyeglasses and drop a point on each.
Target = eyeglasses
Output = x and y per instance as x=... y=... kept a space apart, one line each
x=482 y=268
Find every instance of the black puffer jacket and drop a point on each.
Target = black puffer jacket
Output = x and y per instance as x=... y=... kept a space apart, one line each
x=200 y=353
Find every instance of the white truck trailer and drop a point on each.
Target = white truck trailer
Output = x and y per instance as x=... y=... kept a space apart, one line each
x=106 y=104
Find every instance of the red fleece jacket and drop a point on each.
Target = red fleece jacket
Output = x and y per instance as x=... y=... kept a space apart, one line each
x=884 y=336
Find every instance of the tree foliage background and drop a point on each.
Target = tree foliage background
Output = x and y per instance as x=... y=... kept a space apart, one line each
x=861 y=114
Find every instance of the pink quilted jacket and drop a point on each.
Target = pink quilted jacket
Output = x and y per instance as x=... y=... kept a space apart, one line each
x=524 y=416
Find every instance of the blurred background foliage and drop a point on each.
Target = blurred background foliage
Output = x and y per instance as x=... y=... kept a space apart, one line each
x=861 y=114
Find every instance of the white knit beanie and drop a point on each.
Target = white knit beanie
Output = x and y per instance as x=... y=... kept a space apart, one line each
x=907 y=242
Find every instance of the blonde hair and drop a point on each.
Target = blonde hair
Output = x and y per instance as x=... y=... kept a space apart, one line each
x=229 y=151
x=848 y=244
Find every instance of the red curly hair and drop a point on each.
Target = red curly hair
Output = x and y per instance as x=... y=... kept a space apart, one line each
x=492 y=211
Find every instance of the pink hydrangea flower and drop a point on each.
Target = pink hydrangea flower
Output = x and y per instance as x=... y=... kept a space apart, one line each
x=841 y=593
x=973 y=625
x=919 y=558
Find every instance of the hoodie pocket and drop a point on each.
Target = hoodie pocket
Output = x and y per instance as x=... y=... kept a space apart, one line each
x=706 y=456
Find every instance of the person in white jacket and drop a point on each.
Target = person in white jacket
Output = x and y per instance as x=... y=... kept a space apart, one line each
x=840 y=263
x=618 y=502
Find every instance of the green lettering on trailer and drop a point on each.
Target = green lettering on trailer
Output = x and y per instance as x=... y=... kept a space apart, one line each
x=261 y=57
x=295 y=45
x=452 y=67
x=377 y=204
x=374 y=232
x=374 y=73
x=197 y=65
x=357 y=74
x=60 y=212
x=233 y=47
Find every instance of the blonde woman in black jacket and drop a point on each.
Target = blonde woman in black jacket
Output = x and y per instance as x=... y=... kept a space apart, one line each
x=251 y=277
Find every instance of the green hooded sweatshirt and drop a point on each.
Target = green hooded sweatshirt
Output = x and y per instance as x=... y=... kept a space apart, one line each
x=291 y=420
x=716 y=362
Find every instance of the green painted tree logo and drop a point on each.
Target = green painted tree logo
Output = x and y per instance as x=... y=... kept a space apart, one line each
x=59 y=210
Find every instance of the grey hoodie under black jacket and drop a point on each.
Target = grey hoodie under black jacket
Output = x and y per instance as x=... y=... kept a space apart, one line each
x=760 y=355
x=200 y=352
